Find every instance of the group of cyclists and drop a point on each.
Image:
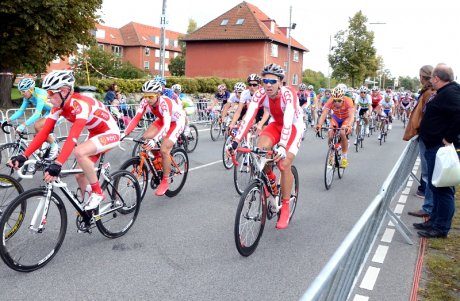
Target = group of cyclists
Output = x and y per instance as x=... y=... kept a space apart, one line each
x=277 y=112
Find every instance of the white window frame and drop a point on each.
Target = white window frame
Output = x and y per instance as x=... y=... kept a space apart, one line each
x=100 y=46
x=56 y=60
x=295 y=56
x=176 y=54
x=295 y=79
x=146 y=65
x=239 y=21
x=116 y=50
x=157 y=52
x=157 y=66
x=147 y=51
x=224 y=22
x=274 y=50
x=167 y=54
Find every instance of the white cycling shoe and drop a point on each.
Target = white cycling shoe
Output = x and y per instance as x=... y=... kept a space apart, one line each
x=93 y=201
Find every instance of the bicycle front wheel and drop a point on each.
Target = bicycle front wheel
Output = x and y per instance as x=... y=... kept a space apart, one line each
x=294 y=193
x=118 y=211
x=329 y=168
x=25 y=246
x=250 y=218
x=228 y=163
x=179 y=172
x=243 y=173
x=10 y=189
x=216 y=129
x=7 y=151
x=192 y=139
x=142 y=175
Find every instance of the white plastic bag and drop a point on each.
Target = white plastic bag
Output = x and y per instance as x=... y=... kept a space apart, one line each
x=446 y=168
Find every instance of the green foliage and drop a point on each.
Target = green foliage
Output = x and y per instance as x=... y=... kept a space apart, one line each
x=106 y=63
x=15 y=94
x=317 y=79
x=354 y=58
x=177 y=66
x=192 y=25
x=35 y=32
x=407 y=83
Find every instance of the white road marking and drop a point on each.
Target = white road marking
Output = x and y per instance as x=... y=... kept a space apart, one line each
x=369 y=279
x=399 y=209
x=380 y=254
x=205 y=165
x=402 y=199
x=406 y=190
x=360 y=298
x=388 y=235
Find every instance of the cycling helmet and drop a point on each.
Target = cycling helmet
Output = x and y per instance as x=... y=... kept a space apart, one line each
x=338 y=92
x=160 y=79
x=363 y=89
x=302 y=87
x=310 y=87
x=176 y=87
x=273 y=69
x=240 y=87
x=26 y=84
x=58 y=79
x=253 y=78
x=321 y=90
x=221 y=87
x=342 y=86
x=374 y=88
x=152 y=86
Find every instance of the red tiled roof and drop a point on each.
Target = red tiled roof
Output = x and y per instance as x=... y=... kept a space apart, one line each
x=111 y=35
x=252 y=28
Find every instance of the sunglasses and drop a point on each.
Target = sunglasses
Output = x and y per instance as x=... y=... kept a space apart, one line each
x=238 y=92
x=52 y=92
x=339 y=100
x=269 y=81
x=253 y=85
x=152 y=96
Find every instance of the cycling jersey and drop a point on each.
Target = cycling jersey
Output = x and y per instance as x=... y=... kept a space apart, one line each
x=376 y=100
x=222 y=98
x=82 y=111
x=39 y=99
x=386 y=105
x=245 y=98
x=364 y=103
x=170 y=122
x=170 y=93
x=343 y=112
x=323 y=100
x=286 y=122
x=303 y=97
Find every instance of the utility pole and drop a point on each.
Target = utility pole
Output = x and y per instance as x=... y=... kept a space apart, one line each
x=163 y=23
x=329 y=64
x=288 y=75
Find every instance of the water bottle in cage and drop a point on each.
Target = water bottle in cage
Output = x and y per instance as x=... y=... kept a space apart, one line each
x=106 y=169
x=234 y=132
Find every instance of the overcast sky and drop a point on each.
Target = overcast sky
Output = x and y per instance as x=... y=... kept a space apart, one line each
x=416 y=33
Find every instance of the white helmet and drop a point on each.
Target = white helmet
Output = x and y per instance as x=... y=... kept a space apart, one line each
x=152 y=86
x=58 y=79
x=302 y=87
x=342 y=86
x=363 y=89
x=240 y=87
x=176 y=87
x=26 y=84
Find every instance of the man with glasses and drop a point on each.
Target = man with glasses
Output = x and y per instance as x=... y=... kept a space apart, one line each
x=283 y=133
x=343 y=111
x=236 y=104
x=37 y=97
x=168 y=126
x=364 y=108
x=82 y=111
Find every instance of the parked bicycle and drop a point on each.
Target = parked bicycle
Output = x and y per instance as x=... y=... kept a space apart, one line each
x=34 y=225
x=333 y=158
x=256 y=204
x=147 y=163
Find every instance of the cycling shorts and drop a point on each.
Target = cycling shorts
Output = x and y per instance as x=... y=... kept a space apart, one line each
x=273 y=131
x=104 y=142
x=175 y=129
x=362 y=111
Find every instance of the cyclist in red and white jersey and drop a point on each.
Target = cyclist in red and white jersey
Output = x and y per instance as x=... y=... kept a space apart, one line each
x=169 y=125
x=376 y=97
x=83 y=112
x=284 y=130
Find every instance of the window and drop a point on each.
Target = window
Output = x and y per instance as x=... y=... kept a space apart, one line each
x=166 y=67
x=239 y=21
x=176 y=43
x=146 y=65
x=176 y=54
x=116 y=50
x=157 y=52
x=147 y=51
x=296 y=56
x=274 y=50
x=167 y=54
x=166 y=41
x=285 y=66
x=100 y=46
x=295 y=79
x=224 y=22
x=157 y=66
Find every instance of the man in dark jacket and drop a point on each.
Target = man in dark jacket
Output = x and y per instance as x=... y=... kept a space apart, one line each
x=440 y=126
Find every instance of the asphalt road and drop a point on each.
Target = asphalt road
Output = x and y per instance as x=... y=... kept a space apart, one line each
x=182 y=248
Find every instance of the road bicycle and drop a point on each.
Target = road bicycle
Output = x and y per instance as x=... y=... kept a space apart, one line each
x=372 y=122
x=34 y=225
x=17 y=147
x=333 y=158
x=243 y=172
x=327 y=123
x=383 y=128
x=260 y=201
x=10 y=188
x=147 y=167
x=360 y=132
x=190 y=141
x=404 y=116
x=219 y=126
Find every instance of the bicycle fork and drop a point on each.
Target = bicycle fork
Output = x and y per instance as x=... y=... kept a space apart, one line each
x=39 y=218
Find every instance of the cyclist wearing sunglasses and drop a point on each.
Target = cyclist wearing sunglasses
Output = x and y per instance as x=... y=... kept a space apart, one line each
x=283 y=133
x=82 y=111
x=343 y=111
x=36 y=97
x=168 y=126
x=235 y=103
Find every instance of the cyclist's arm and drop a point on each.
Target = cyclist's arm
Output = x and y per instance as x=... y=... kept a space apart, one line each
x=251 y=112
x=20 y=111
x=326 y=109
x=41 y=99
x=237 y=114
x=225 y=109
x=135 y=121
x=288 y=118
x=41 y=136
x=264 y=119
x=165 y=111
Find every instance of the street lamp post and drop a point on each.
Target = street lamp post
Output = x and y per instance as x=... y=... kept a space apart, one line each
x=291 y=26
x=163 y=23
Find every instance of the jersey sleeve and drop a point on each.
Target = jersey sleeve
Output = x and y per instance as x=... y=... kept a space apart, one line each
x=41 y=100
x=40 y=137
x=251 y=112
x=290 y=100
x=165 y=111
x=134 y=122
x=20 y=111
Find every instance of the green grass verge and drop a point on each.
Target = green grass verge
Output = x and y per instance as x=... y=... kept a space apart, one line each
x=15 y=94
x=442 y=264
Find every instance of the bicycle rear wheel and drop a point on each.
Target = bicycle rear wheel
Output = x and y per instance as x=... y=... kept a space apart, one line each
x=133 y=166
x=340 y=170
x=10 y=189
x=7 y=151
x=243 y=173
x=118 y=211
x=179 y=172
x=216 y=129
x=24 y=246
x=250 y=218
x=192 y=139
x=329 y=168
x=228 y=163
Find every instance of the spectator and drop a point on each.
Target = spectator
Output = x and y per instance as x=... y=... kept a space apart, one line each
x=412 y=129
x=111 y=94
x=440 y=126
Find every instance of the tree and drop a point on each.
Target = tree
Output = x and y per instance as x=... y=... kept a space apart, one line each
x=354 y=58
x=177 y=66
x=36 y=32
x=315 y=78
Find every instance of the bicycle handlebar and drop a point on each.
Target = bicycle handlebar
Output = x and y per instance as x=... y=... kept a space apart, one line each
x=257 y=151
x=5 y=124
x=23 y=176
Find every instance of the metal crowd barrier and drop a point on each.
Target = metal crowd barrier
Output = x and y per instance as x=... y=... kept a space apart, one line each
x=338 y=277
